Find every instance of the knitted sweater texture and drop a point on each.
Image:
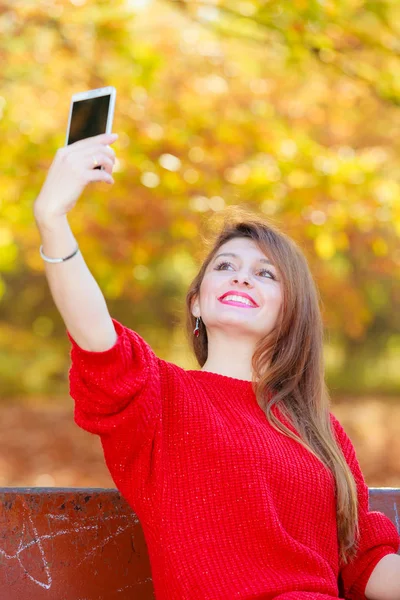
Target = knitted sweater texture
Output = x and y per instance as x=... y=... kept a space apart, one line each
x=230 y=508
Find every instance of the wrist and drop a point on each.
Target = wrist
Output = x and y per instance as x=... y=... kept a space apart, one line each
x=58 y=241
x=49 y=224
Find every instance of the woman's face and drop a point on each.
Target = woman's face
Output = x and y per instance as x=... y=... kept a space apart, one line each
x=248 y=272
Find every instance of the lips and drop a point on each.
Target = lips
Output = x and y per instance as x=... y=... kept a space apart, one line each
x=242 y=294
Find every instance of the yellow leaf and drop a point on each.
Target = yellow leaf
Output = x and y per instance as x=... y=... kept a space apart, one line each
x=380 y=247
x=324 y=246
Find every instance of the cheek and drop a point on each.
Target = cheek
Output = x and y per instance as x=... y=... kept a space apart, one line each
x=273 y=297
x=209 y=286
x=207 y=290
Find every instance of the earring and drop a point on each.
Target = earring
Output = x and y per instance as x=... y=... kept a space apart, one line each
x=197 y=328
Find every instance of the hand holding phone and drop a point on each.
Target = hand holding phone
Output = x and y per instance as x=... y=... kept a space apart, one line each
x=86 y=156
x=70 y=172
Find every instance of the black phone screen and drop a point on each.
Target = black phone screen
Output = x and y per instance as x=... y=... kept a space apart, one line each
x=89 y=118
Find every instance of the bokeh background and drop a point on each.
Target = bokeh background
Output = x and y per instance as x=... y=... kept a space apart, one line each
x=290 y=108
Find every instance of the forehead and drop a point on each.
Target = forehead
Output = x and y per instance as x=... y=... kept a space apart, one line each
x=243 y=247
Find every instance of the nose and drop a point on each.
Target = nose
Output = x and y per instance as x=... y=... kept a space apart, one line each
x=241 y=278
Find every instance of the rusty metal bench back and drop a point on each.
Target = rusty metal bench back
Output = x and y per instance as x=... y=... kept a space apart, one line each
x=87 y=544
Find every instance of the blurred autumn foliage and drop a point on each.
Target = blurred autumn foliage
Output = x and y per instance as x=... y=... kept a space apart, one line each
x=288 y=108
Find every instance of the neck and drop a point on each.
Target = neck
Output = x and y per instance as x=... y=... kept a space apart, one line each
x=230 y=357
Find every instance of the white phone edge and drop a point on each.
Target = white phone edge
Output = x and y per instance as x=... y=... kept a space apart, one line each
x=104 y=91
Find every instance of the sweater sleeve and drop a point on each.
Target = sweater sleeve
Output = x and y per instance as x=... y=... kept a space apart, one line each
x=117 y=396
x=378 y=535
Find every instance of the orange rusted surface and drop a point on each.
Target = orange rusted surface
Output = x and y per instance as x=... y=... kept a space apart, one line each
x=386 y=500
x=71 y=544
x=87 y=544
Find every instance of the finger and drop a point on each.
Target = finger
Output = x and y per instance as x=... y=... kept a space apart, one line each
x=80 y=153
x=102 y=160
x=103 y=138
x=98 y=175
x=102 y=149
x=97 y=151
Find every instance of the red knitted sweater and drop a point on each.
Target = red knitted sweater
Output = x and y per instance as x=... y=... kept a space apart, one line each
x=229 y=507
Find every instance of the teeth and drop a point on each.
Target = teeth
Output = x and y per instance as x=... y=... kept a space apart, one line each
x=239 y=299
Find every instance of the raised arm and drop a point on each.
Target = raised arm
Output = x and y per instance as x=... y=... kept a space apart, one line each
x=73 y=287
x=116 y=380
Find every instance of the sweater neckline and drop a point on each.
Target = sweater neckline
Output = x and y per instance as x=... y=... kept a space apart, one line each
x=219 y=376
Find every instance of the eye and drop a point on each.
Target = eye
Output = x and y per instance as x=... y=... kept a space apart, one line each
x=269 y=272
x=222 y=264
x=219 y=267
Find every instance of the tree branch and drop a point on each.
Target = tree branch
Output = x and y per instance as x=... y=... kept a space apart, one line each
x=314 y=51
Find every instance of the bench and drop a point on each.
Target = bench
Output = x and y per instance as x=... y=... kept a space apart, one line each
x=87 y=544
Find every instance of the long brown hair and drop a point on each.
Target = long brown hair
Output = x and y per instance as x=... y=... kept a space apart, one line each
x=289 y=360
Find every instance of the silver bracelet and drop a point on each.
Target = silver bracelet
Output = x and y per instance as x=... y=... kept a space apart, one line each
x=57 y=260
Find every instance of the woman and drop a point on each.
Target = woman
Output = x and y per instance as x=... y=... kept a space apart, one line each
x=245 y=483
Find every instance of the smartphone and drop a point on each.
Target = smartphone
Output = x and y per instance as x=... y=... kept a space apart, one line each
x=91 y=113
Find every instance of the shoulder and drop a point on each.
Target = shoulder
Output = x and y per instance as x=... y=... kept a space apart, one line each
x=338 y=430
x=345 y=442
x=337 y=427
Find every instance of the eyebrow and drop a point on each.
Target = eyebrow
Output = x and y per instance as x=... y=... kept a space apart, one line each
x=264 y=260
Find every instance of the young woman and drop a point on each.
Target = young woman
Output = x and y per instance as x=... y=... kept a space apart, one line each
x=245 y=483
